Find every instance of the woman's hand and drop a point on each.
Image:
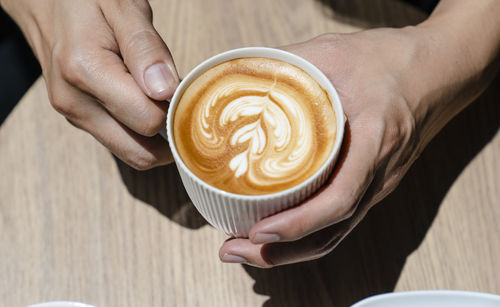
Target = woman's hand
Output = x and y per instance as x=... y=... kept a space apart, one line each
x=380 y=145
x=398 y=87
x=106 y=69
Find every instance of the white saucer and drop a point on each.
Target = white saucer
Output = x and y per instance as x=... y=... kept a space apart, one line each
x=61 y=304
x=431 y=298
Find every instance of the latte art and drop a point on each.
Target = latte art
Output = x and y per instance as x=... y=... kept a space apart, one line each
x=254 y=126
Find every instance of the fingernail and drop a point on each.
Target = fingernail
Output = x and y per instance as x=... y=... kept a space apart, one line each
x=261 y=238
x=159 y=79
x=229 y=258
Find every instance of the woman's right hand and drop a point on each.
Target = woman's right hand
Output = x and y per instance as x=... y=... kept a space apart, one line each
x=106 y=69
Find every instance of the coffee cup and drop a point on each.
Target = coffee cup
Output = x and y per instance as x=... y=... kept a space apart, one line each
x=253 y=131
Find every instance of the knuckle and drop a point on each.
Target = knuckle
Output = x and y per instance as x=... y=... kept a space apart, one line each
x=392 y=139
x=345 y=210
x=332 y=42
x=130 y=6
x=266 y=265
x=329 y=37
x=401 y=138
x=62 y=104
x=345 y=204
x=392 y=182
x=403 y=126
x=144 y=7
x=68 y=110
x=74 y=123
x=75 y=67
x=324 y=241
x=300 y=228
x=140 y=43
x=393 y=133
x=153 y=122
x=58 y=105
x=141 y=161
x=319 y=246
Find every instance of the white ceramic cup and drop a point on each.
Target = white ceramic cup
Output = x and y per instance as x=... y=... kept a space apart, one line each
x=235 y=214
x=61 y=304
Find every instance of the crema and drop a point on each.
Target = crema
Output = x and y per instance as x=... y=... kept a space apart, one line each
x=254 y=126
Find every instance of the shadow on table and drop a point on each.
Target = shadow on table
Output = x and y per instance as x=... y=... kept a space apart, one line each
x=162 y=188
x=369 y=261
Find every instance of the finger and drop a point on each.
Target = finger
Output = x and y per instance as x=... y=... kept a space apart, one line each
x=102 y=74
x=144 y=52
x=86 y=113
x=336 y=201
x=308 y=248
x=136 y=150
x=242 y=251
x=274 y=254
x=87 y=59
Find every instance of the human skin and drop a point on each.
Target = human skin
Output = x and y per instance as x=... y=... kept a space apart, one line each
x=106 y=70
x=398 y=87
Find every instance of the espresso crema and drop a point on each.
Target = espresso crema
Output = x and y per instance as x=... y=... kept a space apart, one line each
x=254 y=126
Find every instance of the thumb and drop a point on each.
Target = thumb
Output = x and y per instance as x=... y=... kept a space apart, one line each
x=144 y=52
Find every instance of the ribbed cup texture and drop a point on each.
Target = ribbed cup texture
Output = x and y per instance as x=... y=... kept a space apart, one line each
x=236 y=215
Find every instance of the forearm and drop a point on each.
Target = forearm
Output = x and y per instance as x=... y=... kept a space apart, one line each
x=455 y=59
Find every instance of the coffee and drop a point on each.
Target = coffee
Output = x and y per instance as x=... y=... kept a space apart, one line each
x=254 y=126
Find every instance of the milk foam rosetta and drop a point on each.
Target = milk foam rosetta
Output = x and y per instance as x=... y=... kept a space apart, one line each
x=254 y=126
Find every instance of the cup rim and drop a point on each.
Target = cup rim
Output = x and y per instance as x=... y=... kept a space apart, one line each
x=390 y=298
x=60 y=304
x=264 y=52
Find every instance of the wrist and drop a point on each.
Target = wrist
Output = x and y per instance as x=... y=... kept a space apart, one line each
x=23 y=14
x=449 y=68
x=9 y=7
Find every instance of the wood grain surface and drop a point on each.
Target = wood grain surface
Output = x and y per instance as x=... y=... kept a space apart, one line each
x=77 y=224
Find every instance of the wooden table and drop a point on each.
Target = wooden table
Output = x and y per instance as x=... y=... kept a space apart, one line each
x=76 y=224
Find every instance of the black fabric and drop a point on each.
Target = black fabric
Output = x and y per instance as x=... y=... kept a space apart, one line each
x=18 y=66
x=425 y=5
